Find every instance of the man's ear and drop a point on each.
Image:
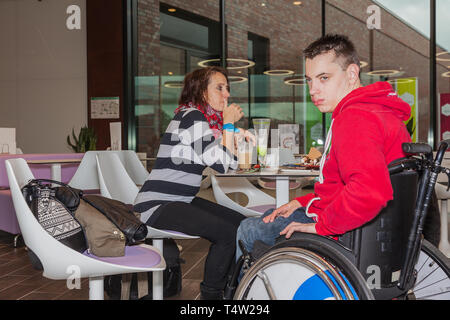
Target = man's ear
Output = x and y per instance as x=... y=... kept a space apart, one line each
x=353 y=73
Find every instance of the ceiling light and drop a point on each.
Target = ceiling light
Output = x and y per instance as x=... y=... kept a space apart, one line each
x=173 y=84
x=400 y=81
x=446 y=74
x=363 y=64
x=263 y=4
x=236 y=79
x=171 y=9
x=279 y=72
x=383 y=72
x=248 y=63
x=440 y=54
x=297 y=3
x=295 y=81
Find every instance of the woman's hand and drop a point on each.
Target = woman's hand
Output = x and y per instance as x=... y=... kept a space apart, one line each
x=245 y=134
x=284 y=211
x=232 y=113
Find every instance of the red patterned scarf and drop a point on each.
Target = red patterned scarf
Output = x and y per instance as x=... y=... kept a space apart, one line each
x=214 y=117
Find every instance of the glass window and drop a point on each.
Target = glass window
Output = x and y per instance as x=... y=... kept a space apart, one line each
x=264 y=43
x=389 y=38
x=272 y=35
x=172 y=41
x=443 y=68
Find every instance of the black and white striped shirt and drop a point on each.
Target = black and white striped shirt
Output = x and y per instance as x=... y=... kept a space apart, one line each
x=187 y=148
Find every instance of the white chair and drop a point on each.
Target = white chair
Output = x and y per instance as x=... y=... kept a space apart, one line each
x=86 y=177
x=62 y=262
x=258 y=201
x=206 y=181
x=115 y=183
x=443 y=196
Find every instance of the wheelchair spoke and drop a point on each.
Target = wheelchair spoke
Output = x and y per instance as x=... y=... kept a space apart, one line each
x=433 y=280
x=427 y=275
x=429 y=285
x=431 y=296
x=263 y=276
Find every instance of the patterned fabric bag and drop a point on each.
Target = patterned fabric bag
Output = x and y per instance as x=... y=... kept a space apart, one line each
x=53 y=208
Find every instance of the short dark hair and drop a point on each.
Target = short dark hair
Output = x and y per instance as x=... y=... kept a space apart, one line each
x=196 y=83
x=341 y=46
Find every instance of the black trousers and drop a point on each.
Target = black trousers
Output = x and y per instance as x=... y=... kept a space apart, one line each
x=210 y=221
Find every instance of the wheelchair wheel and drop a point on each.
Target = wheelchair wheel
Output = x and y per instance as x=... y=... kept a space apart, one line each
x=433 y=274
x=298 y=269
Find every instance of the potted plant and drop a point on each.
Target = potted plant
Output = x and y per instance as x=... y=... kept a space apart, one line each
x=86 y=140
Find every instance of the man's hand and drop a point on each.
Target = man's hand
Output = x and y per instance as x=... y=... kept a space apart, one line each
x=297 y=226
x=284 y=211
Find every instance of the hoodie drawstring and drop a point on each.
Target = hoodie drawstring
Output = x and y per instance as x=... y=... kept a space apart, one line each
x=325 y=152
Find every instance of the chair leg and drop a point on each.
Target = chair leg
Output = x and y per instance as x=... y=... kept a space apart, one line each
x=158 y=293
x=16 y=239
x=96 y=290
x=444 y=244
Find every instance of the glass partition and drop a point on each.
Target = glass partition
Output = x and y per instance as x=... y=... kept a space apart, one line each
x=272 y=35
x=443 y=68
x=264 y=43
x=390 y=49
x=172 y=40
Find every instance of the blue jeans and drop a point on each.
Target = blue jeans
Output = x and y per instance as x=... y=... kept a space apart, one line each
x=252 y=229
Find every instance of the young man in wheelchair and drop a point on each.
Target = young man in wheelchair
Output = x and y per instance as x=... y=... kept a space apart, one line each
x=366 y=134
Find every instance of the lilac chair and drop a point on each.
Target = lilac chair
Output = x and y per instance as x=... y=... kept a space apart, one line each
x=8 y=220
x=64 y=263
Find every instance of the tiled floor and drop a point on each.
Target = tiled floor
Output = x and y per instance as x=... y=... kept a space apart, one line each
x=19 y=281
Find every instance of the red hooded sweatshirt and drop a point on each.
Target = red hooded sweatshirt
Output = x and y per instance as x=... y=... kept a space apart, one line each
x=367 y=134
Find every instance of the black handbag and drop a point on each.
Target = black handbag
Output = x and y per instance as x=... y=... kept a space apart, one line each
x=53 y=208
x=121 y=215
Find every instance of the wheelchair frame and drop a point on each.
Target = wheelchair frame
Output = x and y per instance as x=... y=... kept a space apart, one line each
x=347 y=259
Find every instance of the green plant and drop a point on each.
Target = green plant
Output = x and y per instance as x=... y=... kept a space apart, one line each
x=86 y=140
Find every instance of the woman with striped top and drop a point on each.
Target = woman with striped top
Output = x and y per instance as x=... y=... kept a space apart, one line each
x=200 y=135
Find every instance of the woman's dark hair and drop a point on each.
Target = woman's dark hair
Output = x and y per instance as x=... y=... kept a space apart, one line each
x=196 y=83
x=341 y=46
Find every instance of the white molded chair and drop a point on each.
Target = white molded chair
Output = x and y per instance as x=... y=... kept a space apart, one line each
x=206 y=182
x=115 y=183
x=86 y=176
x=60 y=261
x=258 y=201
x=443 y=196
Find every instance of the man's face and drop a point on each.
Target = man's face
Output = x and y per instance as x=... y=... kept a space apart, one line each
x=328 y=83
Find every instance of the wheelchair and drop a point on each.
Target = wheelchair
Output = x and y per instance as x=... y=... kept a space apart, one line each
x=385 y=259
